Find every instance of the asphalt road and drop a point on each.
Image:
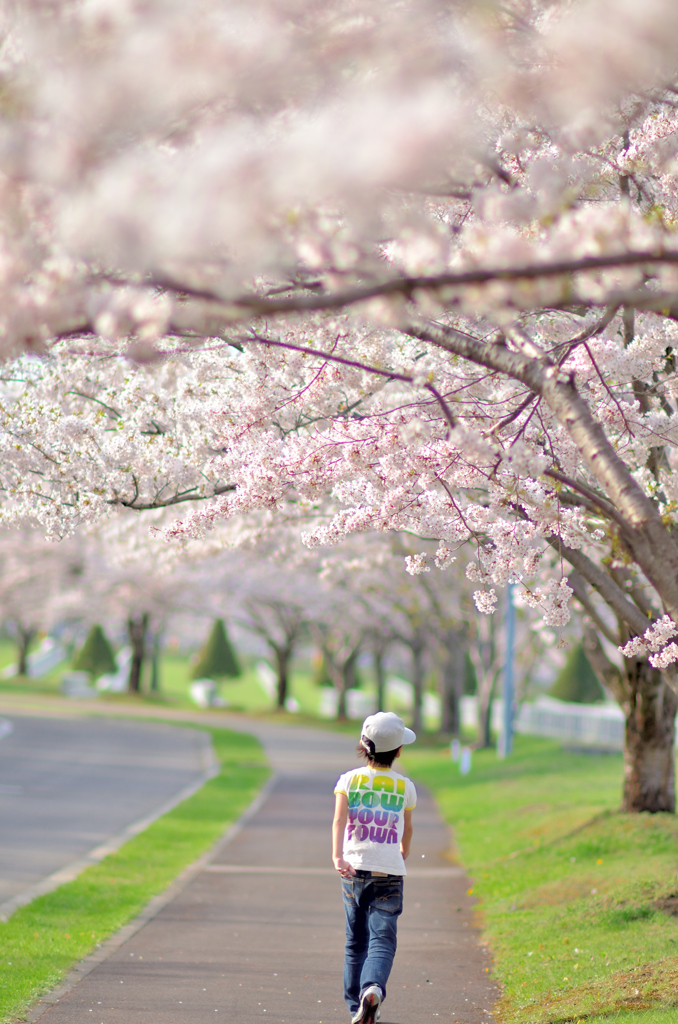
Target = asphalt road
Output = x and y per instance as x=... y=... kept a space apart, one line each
x=258 y=934
x=67 y=785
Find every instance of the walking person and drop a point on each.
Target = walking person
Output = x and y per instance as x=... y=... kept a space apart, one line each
x=371 y=836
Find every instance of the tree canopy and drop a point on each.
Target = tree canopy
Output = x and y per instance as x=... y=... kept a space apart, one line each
x=357 y=267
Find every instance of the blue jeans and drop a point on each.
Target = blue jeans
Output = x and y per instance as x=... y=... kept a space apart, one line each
x=373 y=905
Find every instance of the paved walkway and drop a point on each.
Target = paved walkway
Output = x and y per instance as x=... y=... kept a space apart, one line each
x=258 y=934
x=68 y=785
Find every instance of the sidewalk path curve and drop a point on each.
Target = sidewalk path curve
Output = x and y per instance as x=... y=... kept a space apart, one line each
x=257 y=935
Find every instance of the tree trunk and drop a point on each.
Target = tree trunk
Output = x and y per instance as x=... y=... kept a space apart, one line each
x=452 y=685
x=649 y=767
x=381 y=679
x=485 y=696
x=485 y=724
x=340 y=656
x=346 y=683
x=25 y=638
x=282 y=658
x=649 y=706
x=155 y=663
x=417 y=685
x=137 y=627
x=482 y=651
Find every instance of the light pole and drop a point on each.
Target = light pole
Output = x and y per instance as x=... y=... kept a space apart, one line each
x=506 y=741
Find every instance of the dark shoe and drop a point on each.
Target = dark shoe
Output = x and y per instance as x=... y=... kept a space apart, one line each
x=370 y=1002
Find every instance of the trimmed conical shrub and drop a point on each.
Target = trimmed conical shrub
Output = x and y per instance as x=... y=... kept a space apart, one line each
x=217 y=659
x=577 y=681
x=96 y=654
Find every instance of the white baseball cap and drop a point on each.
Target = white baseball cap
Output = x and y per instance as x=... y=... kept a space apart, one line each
x=387 y=731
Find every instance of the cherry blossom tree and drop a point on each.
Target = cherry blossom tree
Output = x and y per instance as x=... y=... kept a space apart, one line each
x=430 y=251
x=173 y=169
x=341 y=637
x=281 y=623
x=263 y=586
x=118 y=583
x=35 y=576
x=82 y=435
x=432 y=615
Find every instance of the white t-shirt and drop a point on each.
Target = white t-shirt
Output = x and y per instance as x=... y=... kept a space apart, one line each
x=377 y=798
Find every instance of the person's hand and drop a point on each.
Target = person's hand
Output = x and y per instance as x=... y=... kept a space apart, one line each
x=343 y=867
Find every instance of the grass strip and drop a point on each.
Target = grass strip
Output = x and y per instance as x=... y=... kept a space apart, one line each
x=43 y=940
x=578 y=901
x=665 y=1016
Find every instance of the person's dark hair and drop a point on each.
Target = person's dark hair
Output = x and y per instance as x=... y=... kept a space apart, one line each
x=384 y=759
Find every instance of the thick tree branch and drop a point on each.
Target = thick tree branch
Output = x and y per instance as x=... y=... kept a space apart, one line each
x=177 y=499
x=579 y=587
x=594 y=500
x=609 y=674
x=648 y=539
x=408 y=286
x=625 y=579
x=612 y=594
x=578 y=501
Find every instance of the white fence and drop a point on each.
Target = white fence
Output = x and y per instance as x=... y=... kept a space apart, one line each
x=593 y=726
x=598 y=726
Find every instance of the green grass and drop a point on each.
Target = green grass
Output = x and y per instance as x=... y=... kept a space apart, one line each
x=570 y=890
x=42 y=941
x=244 y=694
x=7 y=653
x=665 y=1016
